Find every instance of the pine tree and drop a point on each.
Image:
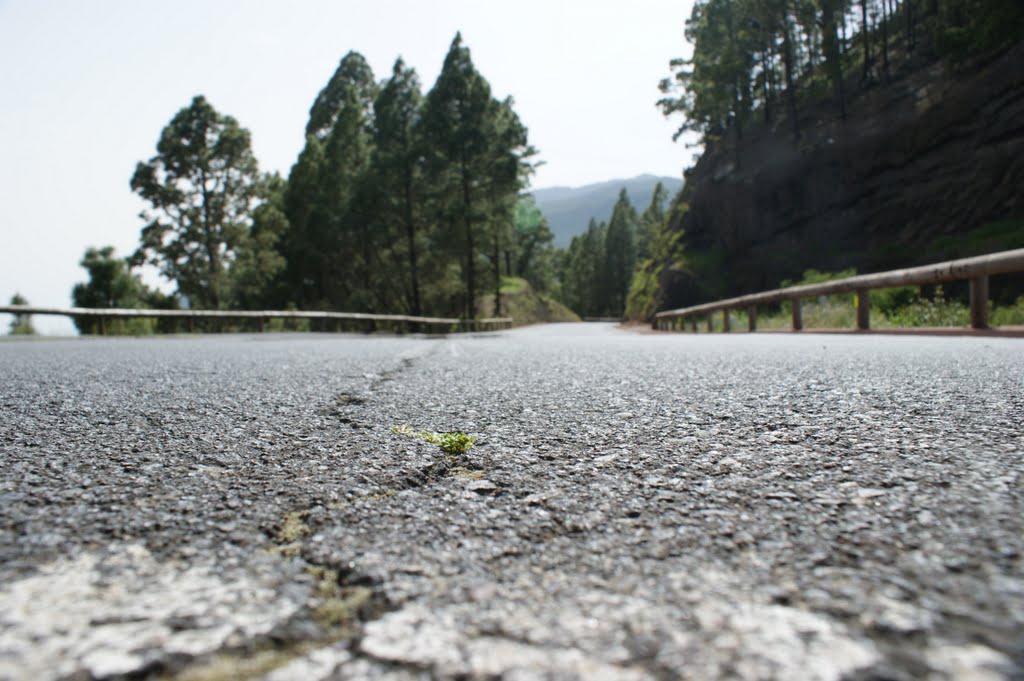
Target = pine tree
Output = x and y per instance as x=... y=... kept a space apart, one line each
x=620 y=254
x=476 y=157
x=21 y=325
x=259 y=258
x=399 y=183
x=329 y=246
x=202 y=187
x=651 y=221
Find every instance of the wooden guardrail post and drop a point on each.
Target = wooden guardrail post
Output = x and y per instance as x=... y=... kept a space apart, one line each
x=711 y=323
x=752 y=318
x=726 y=321
x=798 y=316
x=979 y=302
x=863 y=309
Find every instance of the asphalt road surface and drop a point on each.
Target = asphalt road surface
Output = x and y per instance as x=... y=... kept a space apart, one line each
x=636 y=507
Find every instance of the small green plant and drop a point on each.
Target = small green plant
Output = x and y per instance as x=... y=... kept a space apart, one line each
x=1012 y=315
x=939 y=311
x=450 y=443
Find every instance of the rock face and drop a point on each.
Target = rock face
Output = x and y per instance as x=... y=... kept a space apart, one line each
x=927 y=167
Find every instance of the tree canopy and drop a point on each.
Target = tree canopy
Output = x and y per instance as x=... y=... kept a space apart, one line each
x=21 y=325
x=202 y=187
x=398 y=202
x=765 y=57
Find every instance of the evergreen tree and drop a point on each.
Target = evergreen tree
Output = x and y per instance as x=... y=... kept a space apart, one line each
x=745 y=47
x=329 y=247
x=353 y=77
x=664 y=256
x=531 y=254
x=583 y=280
x=399 y=183
x=620 y=254
x=651 y=221
x=259 y=260
x=21 y=325
x=111 y=285
x=201 y=187
x=476 y=157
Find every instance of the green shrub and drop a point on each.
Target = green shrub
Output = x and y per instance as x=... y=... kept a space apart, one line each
x=1009 y=316
x=935 y=312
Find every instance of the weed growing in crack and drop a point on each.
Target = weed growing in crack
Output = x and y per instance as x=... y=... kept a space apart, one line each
x=450 y=443
x=290 y=532
x=338 y=605
x=293 y=527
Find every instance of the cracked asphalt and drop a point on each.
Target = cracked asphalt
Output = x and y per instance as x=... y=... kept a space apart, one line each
x=637 y=506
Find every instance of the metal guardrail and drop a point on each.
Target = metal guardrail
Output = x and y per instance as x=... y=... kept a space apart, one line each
x=368 y=322
x=977 y=270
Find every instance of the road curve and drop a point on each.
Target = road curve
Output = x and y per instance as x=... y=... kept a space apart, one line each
x=636 y=507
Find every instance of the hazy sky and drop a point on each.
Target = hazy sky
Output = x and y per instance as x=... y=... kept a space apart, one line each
x=87 y=85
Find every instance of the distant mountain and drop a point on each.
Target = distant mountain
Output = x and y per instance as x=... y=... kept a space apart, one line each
x=569 y=209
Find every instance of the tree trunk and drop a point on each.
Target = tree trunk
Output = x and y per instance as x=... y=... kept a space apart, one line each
x=908 y=13
x=865 y=38
x=467 y=219
x=787 y=63
x=497 y=275
x=410 y=232
x=833 y=56
x=885 y=40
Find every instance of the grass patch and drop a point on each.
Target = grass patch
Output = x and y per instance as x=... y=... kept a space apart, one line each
x=293 y=527
x=337 y=605
x=1012 y=315
x=450 y=443
x=250 y=665
x=513 y=284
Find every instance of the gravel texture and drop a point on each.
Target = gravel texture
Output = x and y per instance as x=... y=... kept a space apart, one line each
x=635 y=507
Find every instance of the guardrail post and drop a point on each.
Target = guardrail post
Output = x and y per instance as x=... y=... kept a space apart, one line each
x=979 y=303
x=726 y=321
x=752 y=318
x=693 y=324
x=863 y=309
x=711 y=323
x=798 y=316
x=103 y=326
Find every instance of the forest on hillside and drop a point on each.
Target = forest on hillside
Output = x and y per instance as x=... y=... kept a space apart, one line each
x=412 y=202
x=400 y=202
x=785 y=97
x=764 y=59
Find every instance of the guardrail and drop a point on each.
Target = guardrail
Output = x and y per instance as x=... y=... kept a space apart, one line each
x=367 y=322
x=977 y=270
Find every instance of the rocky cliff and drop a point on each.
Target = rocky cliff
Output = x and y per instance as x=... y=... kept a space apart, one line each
x=927 y=166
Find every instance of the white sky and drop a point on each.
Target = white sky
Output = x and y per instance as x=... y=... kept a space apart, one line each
x=87 y=85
